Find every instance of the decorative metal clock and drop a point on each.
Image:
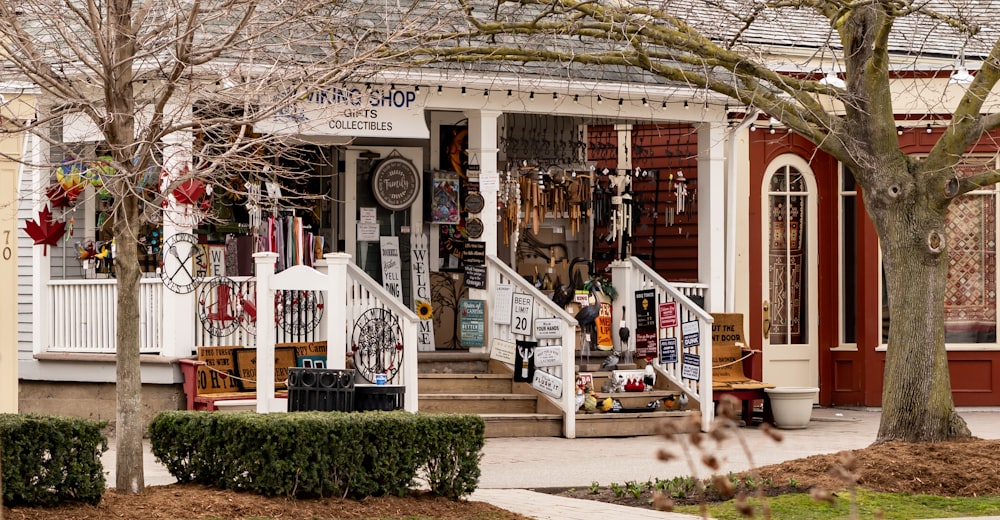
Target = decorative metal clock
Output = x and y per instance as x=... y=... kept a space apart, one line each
x=177 y=263
x=377 y=342
x=219 y=306
x=298 y=312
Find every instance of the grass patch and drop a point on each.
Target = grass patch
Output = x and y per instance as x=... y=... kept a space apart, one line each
x=894 y=506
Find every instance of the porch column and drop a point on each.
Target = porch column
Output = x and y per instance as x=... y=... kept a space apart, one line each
x=712 y=213
x=264 y=268
x=178 y=309
x=41 y=267
x=483 y=150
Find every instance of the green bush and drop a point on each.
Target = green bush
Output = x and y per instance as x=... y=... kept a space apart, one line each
x=48 y=460
x=322 y=453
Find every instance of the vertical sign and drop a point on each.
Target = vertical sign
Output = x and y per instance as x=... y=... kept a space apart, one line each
x=420 y=273
x=217 y=260
x=521 y=313
x=502 y=298
x=392 y=277
x=472 y=318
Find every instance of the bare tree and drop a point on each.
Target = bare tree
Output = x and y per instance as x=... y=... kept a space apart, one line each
x=729 y=47
x=154 y=74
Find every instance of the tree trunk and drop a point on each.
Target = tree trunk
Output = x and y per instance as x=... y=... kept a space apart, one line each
x=917 y=405
x=129 y=477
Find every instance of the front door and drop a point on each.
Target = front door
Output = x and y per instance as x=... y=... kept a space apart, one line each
x=369 y=216
x=790 y=263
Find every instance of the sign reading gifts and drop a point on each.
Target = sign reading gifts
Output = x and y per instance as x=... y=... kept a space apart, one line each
x=350 y=111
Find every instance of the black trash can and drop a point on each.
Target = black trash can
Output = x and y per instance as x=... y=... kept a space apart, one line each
x=378 y=397
x=320 y=389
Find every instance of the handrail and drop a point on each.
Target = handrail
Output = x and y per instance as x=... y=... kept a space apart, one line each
x=640 y=276
x=409 y=325
x=544 y=308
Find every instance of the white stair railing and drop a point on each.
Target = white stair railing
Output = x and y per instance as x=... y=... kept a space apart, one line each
x=633 y=275
x=500 y=274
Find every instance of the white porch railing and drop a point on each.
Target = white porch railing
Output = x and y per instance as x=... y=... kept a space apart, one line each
x=84 y=315
x=502 y=274
x=633 y=275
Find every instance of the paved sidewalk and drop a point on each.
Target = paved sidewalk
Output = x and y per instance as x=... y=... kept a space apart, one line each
x=513 y=467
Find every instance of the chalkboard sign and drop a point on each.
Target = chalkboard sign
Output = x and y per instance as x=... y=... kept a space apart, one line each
x=475 y=276
x=474 y=253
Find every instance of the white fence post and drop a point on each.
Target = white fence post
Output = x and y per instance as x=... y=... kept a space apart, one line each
x=336 y=312
x=264 y=264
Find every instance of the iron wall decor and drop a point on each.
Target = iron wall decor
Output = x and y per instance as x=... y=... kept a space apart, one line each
x=396 y=182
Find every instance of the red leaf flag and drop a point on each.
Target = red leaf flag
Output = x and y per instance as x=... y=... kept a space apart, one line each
x=45 y=232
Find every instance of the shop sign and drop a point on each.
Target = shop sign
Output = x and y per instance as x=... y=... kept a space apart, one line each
x=548 y=356
x=472 y=314
x=668 y=315
x=547 y=384
x=691 y=368
x=521 y=310
x=396 y=183
x=691 y=333
x=392 y=278
x=352 y=111
x=503 y=351
x=548 y=328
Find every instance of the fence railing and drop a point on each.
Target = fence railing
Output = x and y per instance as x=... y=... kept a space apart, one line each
x=84 y=315
x=502 y=275
x=692 y=335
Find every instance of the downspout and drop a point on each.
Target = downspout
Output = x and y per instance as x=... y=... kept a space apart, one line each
x=730 y=303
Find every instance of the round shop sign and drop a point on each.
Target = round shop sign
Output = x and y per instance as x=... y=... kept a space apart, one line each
x=396 y=183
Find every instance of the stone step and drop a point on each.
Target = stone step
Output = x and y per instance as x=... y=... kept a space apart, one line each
x=443 y=383
x=478 y=403
x=452 y=362
x=523 y=425
x=611 y=424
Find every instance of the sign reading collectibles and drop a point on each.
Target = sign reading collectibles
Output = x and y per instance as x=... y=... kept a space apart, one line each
x=351 y=112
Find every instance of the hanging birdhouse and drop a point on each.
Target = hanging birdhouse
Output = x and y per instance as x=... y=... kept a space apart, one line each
x=46 y=231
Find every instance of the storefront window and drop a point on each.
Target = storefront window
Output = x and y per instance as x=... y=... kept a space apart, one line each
x=848 y=258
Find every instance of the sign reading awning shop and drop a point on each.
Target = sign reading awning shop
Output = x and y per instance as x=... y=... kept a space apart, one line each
x=381 y=111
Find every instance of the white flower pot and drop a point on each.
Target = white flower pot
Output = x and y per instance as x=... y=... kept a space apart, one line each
x=791 y=406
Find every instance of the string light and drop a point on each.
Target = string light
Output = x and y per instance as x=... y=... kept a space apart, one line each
x=664 y=105
x=599 y=99
x=899 y=130
x=532 y=95
x=555 y=95
x=644 y=102
x=685 y=104
x=463 y=90
x=929 y=130
x=753 y=127
x=510 y=92
x=620 y=101
x=439 y=90
x=576 y=98
x=486 y=92
x=416 y=88
x=770 y=129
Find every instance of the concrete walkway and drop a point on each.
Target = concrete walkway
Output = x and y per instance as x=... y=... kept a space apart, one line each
x=513 y=467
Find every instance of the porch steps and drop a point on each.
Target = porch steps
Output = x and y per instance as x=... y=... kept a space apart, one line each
x=463 y=382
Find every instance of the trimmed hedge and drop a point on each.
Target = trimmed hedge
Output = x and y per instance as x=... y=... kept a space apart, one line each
x=48 y=460
x=302 y=454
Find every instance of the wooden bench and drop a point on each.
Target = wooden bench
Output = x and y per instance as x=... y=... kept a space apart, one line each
x=207 y=402
x=729 y=349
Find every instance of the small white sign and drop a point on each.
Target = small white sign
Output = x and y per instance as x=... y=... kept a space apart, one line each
x=691 y=333
x=547 y=384
x=489 y=181
x=548 y=356
x=392 y=278
x=369 y=214
x=548 y=328
x=691 y=367
x=521 y=313
x=368 y=232
x=501 y=303
x=503 y=351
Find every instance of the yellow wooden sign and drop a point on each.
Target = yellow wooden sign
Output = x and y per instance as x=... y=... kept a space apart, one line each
x=218 y=373
x=246 y=367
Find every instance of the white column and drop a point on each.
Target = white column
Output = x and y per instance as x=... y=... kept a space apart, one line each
x=483 y=147
x=178 y=309
x=264 y=270
x=712 y=213
x=40 y=265
x=336 y=309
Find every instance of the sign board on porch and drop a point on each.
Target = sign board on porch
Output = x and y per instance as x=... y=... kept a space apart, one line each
x=548 y=328
x=668 y=315
x=503 y=295
x=474 y=253
x=308 y=354
x=522 y=306
x=215 y=375
x=392 y=277
x=246 y=367
x=548 y=356
x=668 y=350
x=547 y=384
x=475 y=276
x=691 y=332
x=691 y=367
x=503 y=351
x=645 y=305
x=368 y=231
x=472 y=318
x=420 y=273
